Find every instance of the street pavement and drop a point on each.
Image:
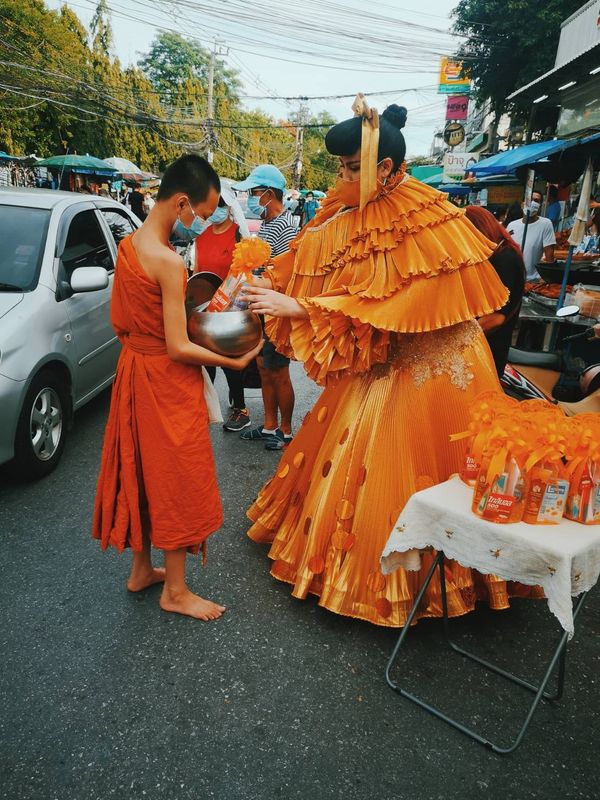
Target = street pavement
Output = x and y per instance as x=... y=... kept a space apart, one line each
x=103 y=696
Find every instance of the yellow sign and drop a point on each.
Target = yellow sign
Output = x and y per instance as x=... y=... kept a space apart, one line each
x=452 y=78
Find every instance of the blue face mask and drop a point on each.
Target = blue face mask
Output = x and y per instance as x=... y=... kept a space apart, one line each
x=254 y=205
x=188 y=234
x=219 y=215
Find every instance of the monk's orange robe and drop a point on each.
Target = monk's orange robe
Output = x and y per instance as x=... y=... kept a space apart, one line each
x=157 y=472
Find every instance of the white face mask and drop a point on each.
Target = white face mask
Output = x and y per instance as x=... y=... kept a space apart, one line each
x=533 y=208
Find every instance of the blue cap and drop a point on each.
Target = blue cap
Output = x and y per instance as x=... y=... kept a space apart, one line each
x=264 y=175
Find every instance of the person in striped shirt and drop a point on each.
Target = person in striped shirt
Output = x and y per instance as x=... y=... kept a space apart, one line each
x=266 y=185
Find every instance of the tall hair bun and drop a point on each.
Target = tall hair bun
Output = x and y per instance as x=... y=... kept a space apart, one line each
x=395 y=115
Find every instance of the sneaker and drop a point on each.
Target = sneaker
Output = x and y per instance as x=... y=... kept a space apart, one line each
x=278 y=440
x=237 y=420
x=256 y=435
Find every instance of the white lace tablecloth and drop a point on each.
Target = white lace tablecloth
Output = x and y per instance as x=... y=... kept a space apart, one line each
x=564 y=559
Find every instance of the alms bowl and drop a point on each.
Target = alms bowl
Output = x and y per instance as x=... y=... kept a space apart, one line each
x=228 y=333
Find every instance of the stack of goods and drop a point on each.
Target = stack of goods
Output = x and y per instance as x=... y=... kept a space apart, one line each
x=530 y=462
x=587 y=250
x=583 y=469
x=543 y=289
x=248 y=256
x=586 y=298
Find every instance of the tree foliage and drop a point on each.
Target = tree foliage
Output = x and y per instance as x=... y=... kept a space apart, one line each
x=101 y=30
x=63 y=91
x=509 y=42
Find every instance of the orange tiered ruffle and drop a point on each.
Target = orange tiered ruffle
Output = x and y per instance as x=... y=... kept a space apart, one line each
x=391 y=293
x=410 y=262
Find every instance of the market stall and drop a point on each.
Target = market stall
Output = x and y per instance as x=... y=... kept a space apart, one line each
x=75 y=172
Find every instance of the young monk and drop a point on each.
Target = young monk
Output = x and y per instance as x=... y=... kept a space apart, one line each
x=157 y=484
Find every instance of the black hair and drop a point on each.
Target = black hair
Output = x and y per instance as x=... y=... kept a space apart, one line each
x=344 y=139
x=310 y=193
x=553 y=192
x=190 y=174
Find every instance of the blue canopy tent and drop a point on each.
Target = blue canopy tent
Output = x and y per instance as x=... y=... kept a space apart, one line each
x=509 y=161
x=538 y=156
x=434 y=180
x=458 y=189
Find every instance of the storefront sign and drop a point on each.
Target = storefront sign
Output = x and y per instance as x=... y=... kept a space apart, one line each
x=457 y=107
x=454 y=134
x=505 y=195
x=456 y=165
x=452 y=78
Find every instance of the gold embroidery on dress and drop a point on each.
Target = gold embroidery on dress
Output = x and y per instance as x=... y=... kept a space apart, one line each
x=429 y=355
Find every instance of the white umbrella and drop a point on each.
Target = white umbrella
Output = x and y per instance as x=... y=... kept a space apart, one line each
x=581 y=217
x=124 y=166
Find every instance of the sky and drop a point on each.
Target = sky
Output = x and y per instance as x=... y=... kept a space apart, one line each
x=314 y=47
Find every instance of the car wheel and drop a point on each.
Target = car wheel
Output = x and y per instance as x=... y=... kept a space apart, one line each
x=42 y=427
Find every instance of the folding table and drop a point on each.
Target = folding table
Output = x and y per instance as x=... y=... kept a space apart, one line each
x=563 y=559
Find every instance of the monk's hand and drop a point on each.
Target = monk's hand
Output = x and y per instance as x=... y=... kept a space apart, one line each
x=274 y=304
x=242 y=361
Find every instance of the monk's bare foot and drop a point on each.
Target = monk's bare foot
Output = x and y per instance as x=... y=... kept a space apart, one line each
x=190 y=604
x=138 y=581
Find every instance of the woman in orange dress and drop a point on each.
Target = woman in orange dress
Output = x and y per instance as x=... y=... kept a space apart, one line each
x=378 y=297
x=157 y=484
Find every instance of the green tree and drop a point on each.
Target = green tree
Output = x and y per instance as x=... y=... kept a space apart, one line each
x=173 y=59
x=320 y=168
x=509 y=43
x=101 y=29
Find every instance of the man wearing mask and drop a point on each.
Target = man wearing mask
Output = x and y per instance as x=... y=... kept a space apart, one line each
x=539 y=238
x=266 y=185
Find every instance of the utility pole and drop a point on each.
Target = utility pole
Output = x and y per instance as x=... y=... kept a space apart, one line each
x=212 y=139
x=302 y=120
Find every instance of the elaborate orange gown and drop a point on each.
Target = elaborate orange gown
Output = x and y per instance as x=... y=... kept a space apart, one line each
x=391 y=294
x=157 y=473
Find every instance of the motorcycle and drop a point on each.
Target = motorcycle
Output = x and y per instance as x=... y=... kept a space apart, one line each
x=529 y=375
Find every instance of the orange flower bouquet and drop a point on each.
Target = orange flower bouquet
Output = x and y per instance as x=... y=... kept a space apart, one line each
x=248 y=254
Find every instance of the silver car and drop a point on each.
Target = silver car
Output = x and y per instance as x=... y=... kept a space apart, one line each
x=57 y=347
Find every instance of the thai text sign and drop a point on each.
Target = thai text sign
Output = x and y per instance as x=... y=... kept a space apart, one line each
x=452 y=77
x=457 y=164
x=457 y=107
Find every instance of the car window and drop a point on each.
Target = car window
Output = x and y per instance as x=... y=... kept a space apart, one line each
x=85 y=245
x=119 y=223
x=22 y=239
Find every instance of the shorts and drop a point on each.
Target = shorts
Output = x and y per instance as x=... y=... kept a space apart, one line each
x=271 y=358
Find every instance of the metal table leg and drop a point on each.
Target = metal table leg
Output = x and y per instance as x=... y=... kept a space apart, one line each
x=558 y=658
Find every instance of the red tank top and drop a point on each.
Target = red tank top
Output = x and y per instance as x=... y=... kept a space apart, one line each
x=214 y=251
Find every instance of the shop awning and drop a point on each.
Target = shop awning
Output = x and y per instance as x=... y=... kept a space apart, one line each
x=507 y=162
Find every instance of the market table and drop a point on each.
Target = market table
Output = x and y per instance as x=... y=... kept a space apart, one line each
x=533 y=310
x=563 y=559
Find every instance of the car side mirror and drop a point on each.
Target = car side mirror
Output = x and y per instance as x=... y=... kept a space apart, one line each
x=89 y=279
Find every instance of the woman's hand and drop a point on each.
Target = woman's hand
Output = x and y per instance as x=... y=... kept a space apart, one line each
x=596 y=330
x=274 y=304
